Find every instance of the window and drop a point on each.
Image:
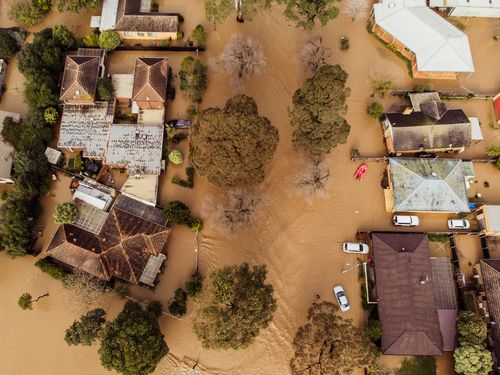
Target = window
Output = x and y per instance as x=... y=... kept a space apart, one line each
x=140 y=34
x=128 y=33
x=151 y=35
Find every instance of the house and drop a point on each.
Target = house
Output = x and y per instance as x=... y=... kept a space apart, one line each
x=126 y=243
x=80 y=76
x=428 y=126
x=406 y=296
x=468 y=8
x=488 y=217
x=150 y=83
x=94 y=194
x=6 y=150
x=133 y=19
x=427 y=185
x=490 y=271
x=435 y=48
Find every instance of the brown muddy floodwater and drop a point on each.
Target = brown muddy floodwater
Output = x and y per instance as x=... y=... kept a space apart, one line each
x=299 y=241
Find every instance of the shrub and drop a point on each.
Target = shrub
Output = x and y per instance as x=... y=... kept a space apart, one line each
x=375 y=110
x=8 y=45
x=155 y=308
x=109 y=40
x=175 y=157
x=91 y=40
x=66 y=213
x=194 y=286
x=105 y=89
x=196 y=225
x=50 y=115
x=25 y=302
x=178 y=213
x=178 y=306
x=189 y=183
x=52 y=269
x=178 y=138
x=373 y=329
x=42 y=5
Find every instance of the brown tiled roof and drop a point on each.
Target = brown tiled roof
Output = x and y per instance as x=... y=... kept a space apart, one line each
x=490 y=269
x=150 y=79
x=129 y=18
x=407 y=305
x=121 y=249
x=80 y=78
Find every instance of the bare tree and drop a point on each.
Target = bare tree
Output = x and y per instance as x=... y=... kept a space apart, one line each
x=356 y=8
x=235 y=210
x=312 y=178
x=84 y=291
x=381 y=84
x=242 y=58
x=314 y=55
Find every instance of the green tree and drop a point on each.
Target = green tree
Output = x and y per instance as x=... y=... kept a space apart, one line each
x=40 y=92
x=471 y=328
x=249 y=8
x=42 y=5
x=199 y=36
x=26 y=301
x=381 y=85
x=41 y=58
x=50 y=115
x=109 y=40
x=24 y=13
x=105 y=90
x=318 y=106
x=175 y=157
x=375 y=110
x=178 y=306
x=28 y=162
x=66 y=213
x=75 y=6
x=373 y=329
x=177 y=212
x=493 y=150
x=17 y=220
x=91 y=40
x=193 y=78
x=305 y=12
x=63 y=37
x=217 y=11
x=239 y=305
x=330 y=344
x=52 y=269
x=156 y=308
x=8 y=46
x=473 y=359
x=132 y=344
x=234 y=143
x=194 y=286
x=86 y=330
x=418 y=366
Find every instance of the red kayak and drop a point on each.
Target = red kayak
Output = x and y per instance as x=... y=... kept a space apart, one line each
x=361 y=171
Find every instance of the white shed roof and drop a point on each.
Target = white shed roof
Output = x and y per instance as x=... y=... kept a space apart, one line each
x=465 y=3
x=108 y=15
x=493 y=217
x=94 y=194
x=476 y=133
x=438 y=45
x=123 y=85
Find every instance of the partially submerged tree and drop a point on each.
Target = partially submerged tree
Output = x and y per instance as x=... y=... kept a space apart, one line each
x=314 y=55
x=312 y=178
x=375 y=110
x=318 y=106
x=8 y=46
x=25 y=13
x=330 y=344
x=242 y=58
x=66 y=213
x=75 y=6
x=239 y=305
x=381 y=85
x=17 y=218
x=63 y=37
x=177 y=212
x=87 y=329
x=26 y=300
x=83 y=290
x=305 y=12
x=217 y=11
x=473 y=359
x=109 y=40
x=193 y=78
x=133 y=343
x=178 y=305
x=199 y=36
x=356 y=8
x=231 y=146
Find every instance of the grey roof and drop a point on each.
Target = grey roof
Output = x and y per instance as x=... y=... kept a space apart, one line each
x=444 y=285
x=152 y=269
x=130 y=18
x=141 y=210
x=428 y=185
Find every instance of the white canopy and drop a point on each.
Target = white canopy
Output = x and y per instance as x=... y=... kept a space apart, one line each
x=438 y=45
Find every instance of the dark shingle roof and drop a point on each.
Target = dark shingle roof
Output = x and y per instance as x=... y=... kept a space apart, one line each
x=407 y=306
x=490 y=269
x=121 y=249
x=129 y=18
x=150 y=79
x=80 y=78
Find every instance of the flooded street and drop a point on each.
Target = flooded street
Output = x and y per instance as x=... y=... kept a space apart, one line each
x=299 y=241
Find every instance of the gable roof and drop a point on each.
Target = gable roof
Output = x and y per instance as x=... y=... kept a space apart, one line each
x=437 y=44
x=122 y=248
x=490 y=270
x=80 y=78
x=406 y=302
x=150 y=79
x=418 y=130
x=428 y=185
x=130 y=18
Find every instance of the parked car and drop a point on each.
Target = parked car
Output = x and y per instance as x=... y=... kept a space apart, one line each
x=458 y=224
x=339 y=293
x=405 y=220
x=355 y=247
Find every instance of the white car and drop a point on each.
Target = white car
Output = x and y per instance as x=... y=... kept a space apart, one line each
x=458 y=224
x=341 y=298
x=405 y=221
x=355 y=247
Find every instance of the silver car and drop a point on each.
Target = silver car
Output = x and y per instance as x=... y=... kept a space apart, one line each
x=355 y=247
x=458 y=224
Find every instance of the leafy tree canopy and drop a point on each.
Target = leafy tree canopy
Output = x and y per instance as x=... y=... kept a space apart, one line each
x=63 y=37
x=330 y=344
x=318 y=106
x=473 y=359
x=105 y=90
x=217 y=11
x=305 y=12
x=17 y=217
x=8 y=46
x=25 y=13
x=132 y=344
x=471 y=328
x=109 y=40
x=375 y=110
x=66 y=213
x=86 y=330
x=193 y=78
x=75 y=6
x=199 y=36
x=239 y=305
x=232 y=145
x=177 y=212
x=25 y=302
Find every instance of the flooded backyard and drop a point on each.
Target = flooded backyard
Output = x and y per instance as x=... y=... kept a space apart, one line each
x=299 y=241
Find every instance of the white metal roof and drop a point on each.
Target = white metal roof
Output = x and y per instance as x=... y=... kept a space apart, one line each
x=6 y=150
x=93 y=195
x=465 y=3
x=438 y=45
x=493 y=217
x=476 y=133
x=108 y=15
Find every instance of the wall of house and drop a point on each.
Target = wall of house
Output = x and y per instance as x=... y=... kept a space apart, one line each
x=475 y=12
x=136 y=35
x=149 y=105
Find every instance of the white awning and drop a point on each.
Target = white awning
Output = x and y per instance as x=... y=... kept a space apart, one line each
x=476 y=133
